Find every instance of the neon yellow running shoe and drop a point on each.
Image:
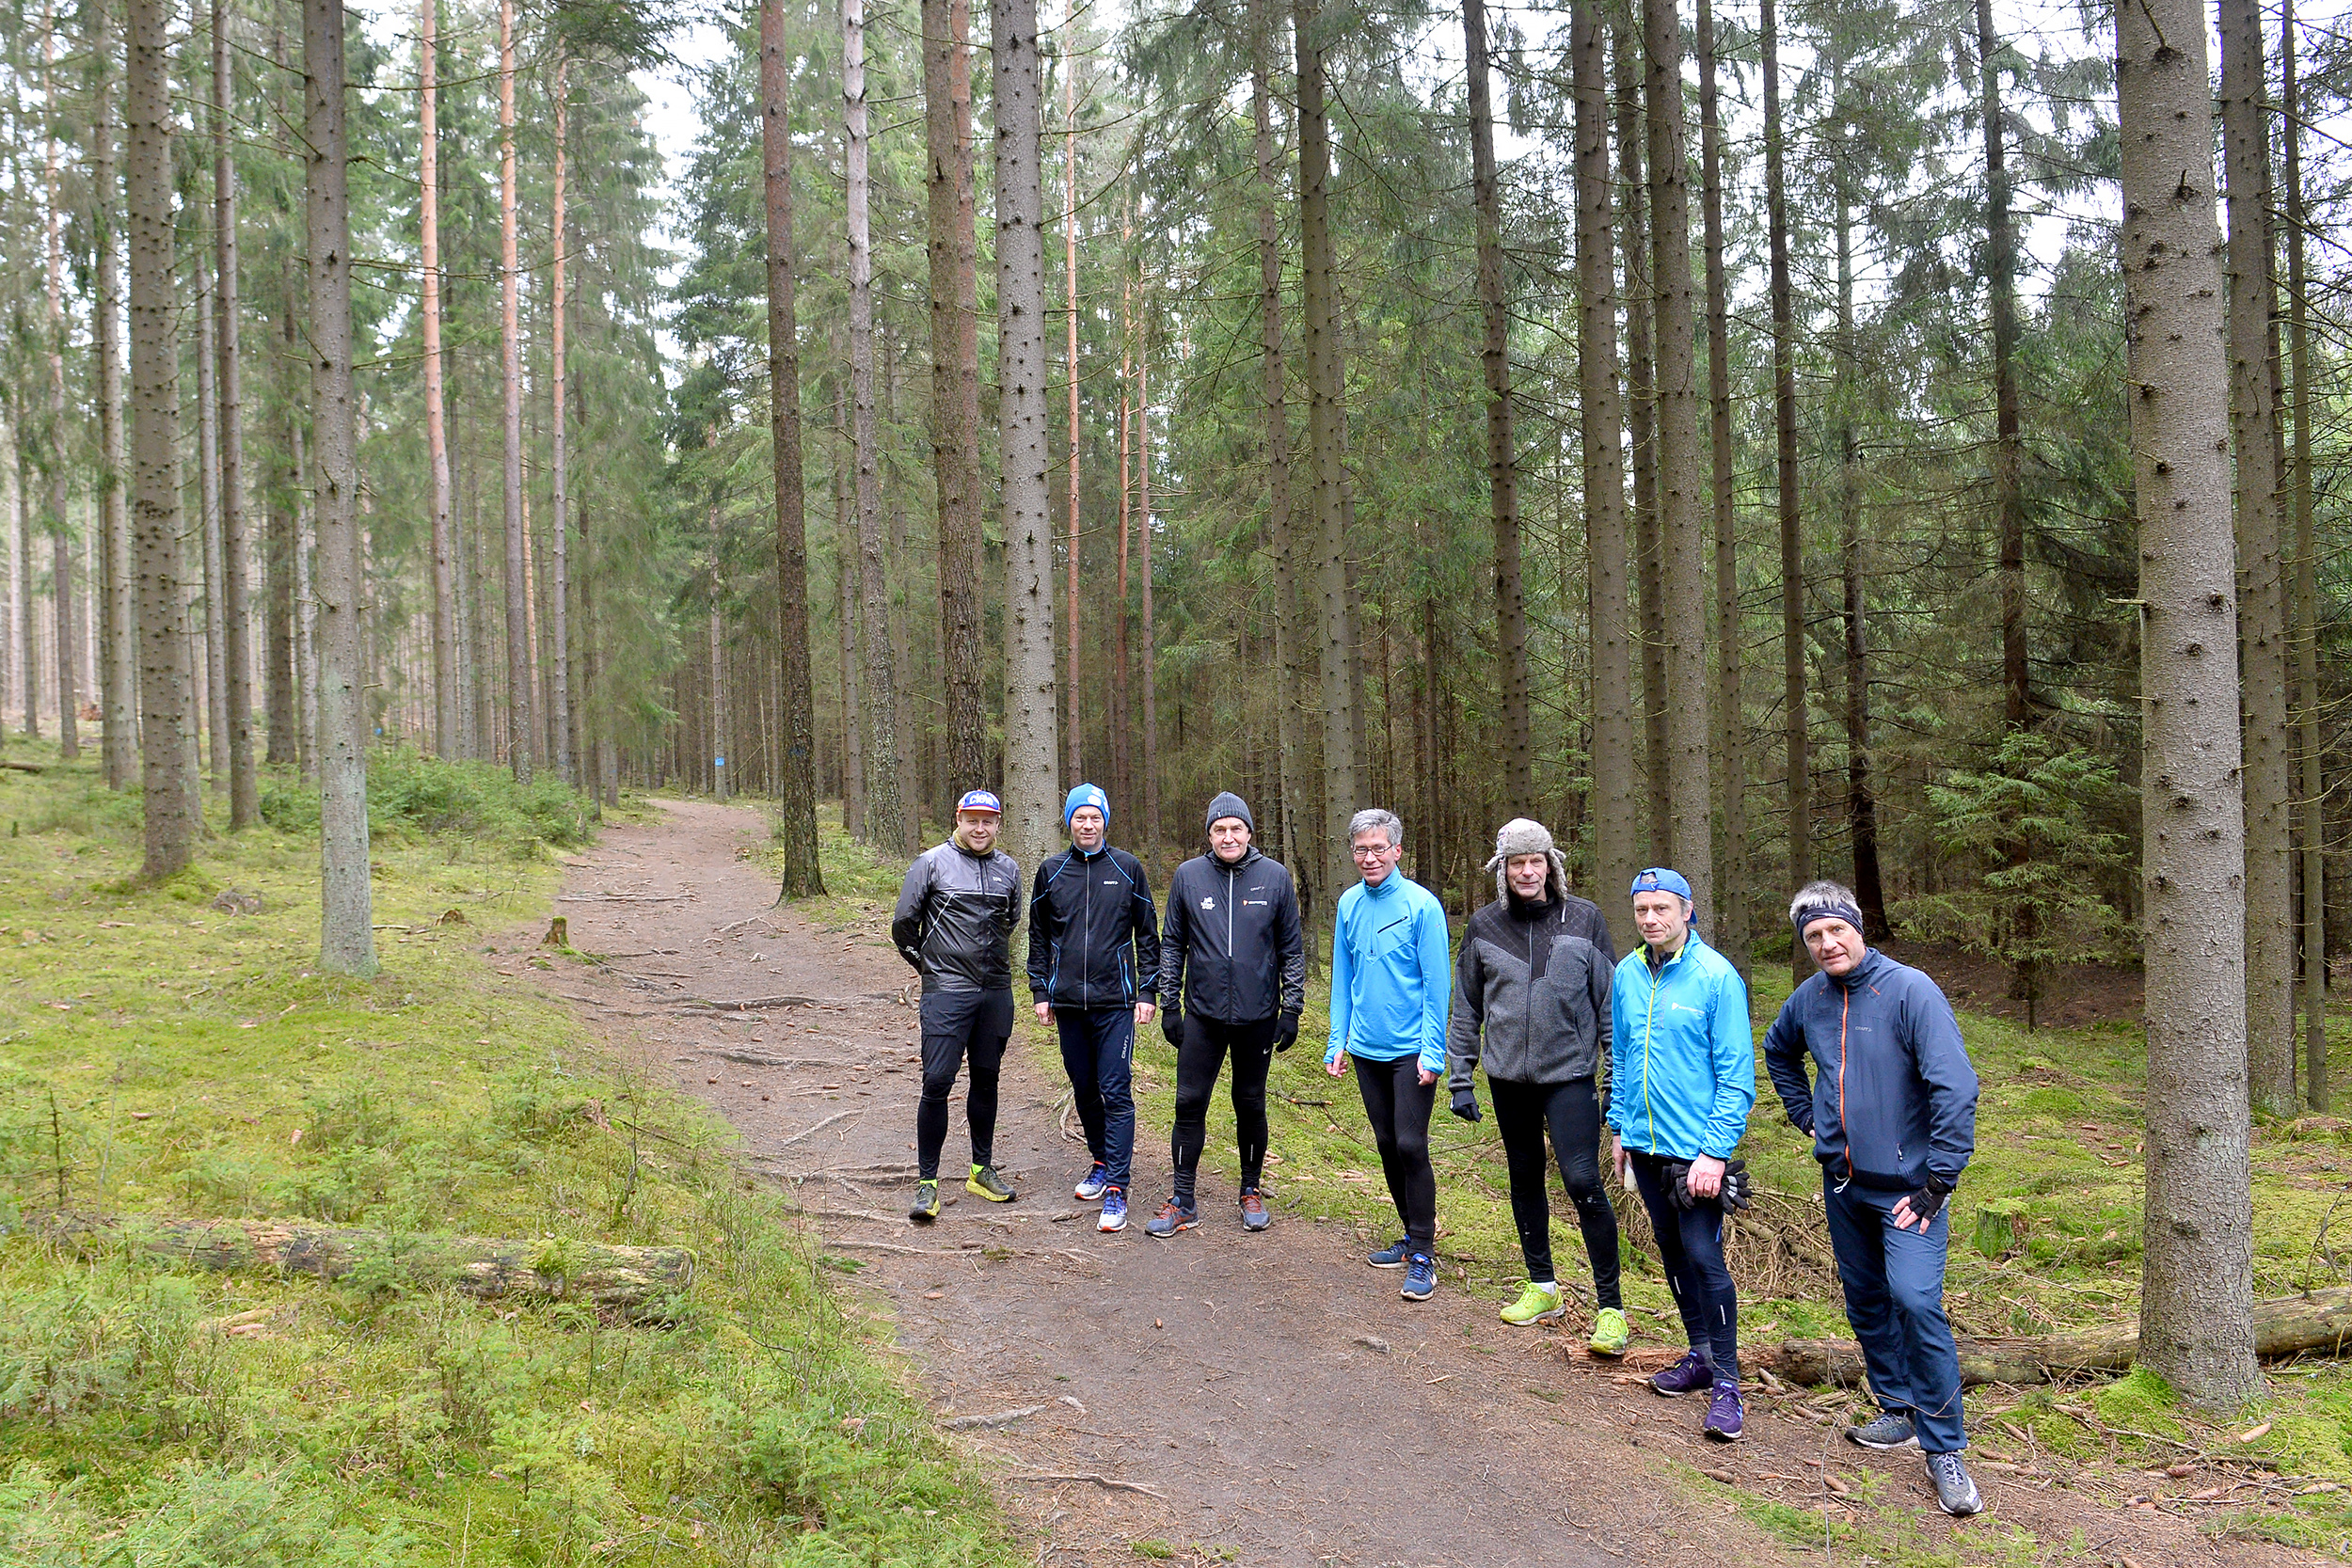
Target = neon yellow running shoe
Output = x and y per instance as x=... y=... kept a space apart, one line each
x=1611 y=1333
x=925 y=1207
x=988 y=1184
x=1537 y=1303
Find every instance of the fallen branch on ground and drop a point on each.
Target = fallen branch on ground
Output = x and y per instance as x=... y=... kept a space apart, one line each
x=1106 y=1482
x=637 y=1282
x=838 y=1116
x=2318 y=1321
x=748 y=1004
x=1001 y=1418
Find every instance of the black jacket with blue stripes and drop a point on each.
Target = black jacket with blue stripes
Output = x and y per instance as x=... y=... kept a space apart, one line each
x=1094 y=933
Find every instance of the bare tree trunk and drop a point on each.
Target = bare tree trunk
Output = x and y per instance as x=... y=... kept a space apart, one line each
x=1298 y=816
x=447 y=695
x=559 y=594
x=2008 y=500
x=2268 y=783
x=886 y=821
x=279 y=567
x=1616 y=806
x=1682 y=510
x=520 y=738
x=1030 y=753
x=1328 y=444
x=1072 y=738
x=1151 y=626
x=1122 y=759
x=305 y=630
x=58 y=525
x=208 y=494
x=1794 y=698
x=1641 y=406
x=846 y=574
x=1503 y=472
x=1731 y=934
x=955 y=316
x=2311 y=791
x=117 y=666
x=2197 y=1269
x=796 y=792
x=27 y=621
x=245 y=799
x=168 y=770
x=1861 y=792
x=718 y=748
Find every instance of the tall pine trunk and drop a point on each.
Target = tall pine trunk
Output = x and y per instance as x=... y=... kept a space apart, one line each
x=796 y=792
x=1682 y=490
x=208 y=491
x=2262 y=602
x=886 y=823
x=2196 y=1327
x=1861 y=814
x=1616 y=803
x=168 y=767
x=346 y=940
x=955 y=321
x=1730 y=720
x=1151 y=626
x=1797 y=751
x=118 y=581
x=244 y=797
x=1327 y=443
x=1031 y=808
x=1641 y=408
x=2310 y=790
x=1296 y=815
x=559 y=517
x=520 y=738
x=448 y=718
x=1072 y=738
x=59 y=523
x=1517 y=739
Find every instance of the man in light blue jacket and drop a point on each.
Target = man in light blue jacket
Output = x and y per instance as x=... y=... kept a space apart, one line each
x=1682 y=1077
x=1392 y=978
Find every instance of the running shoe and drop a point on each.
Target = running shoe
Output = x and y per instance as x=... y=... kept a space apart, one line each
x=1611 y=1333
x=1393 y=1256
x=1114 y=1210
x=1955 y=1490
x=1685 y=1376
x=1173 y=1216
x=1725 y=1422
x=1421 y=1277
x=1891 y=1429
x=925 y=1207
x=985 y=1182
x=1537 y=1303
x=1253 y=1210
x=1090 y=1185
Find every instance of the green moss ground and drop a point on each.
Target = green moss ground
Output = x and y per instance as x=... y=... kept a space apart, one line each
x=159 y=1054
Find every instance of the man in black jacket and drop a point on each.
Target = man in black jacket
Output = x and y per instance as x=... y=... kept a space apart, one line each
x=1094 y=975
x=954 y=923
x=1232 y=978
x=1531 y=996
x=1891 y=1107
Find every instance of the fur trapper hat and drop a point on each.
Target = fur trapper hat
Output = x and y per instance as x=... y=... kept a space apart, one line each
x=1521 y=837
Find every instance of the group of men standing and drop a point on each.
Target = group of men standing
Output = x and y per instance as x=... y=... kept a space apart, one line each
x=1537 y=994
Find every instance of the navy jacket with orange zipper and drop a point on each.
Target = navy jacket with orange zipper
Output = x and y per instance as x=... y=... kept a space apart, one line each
x=1892 y=1102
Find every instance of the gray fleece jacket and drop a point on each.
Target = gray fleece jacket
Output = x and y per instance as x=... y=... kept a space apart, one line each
x=1531 y=986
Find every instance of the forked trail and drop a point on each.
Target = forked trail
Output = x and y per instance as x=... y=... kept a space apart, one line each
x=1263 y=1398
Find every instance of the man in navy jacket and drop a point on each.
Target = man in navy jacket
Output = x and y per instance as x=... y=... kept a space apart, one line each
x=1892 y=1111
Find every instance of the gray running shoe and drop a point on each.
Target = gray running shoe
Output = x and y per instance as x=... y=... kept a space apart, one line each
x=1890 y=1429
x=1955 y=1492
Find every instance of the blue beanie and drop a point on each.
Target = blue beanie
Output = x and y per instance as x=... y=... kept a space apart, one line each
x=1085 y=795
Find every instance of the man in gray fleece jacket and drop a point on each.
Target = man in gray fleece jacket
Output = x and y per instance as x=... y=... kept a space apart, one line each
x=1532 y=988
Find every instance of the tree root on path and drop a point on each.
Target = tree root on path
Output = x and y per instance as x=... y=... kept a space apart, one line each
x=1106 y=1482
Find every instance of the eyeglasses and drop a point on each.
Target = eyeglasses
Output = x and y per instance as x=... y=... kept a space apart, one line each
x=1363 y=854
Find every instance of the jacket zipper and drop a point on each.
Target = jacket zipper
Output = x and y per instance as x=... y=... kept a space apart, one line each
x=1229 y=917
x=1086 y=935
x=1845 y=1011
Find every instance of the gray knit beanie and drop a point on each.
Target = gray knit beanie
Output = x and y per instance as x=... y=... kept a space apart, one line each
x=1521 y=837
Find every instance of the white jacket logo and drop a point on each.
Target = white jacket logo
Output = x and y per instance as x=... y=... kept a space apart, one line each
x=1681 y=1007
x=1207 y=901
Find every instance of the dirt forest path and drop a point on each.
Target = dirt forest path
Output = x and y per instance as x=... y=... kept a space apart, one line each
x=1260 y=1399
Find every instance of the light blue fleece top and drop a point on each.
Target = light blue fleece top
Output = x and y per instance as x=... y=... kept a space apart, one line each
x=1391 y=975
x=1681 y=1053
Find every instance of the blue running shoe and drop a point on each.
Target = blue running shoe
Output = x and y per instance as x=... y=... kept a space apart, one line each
x=1420 y=1278
x=1725 y=1420
x=1090 y=1185
x=1114 y=1211
x=1173 y=1216
x=1393 y=1256
x=1686 y=1376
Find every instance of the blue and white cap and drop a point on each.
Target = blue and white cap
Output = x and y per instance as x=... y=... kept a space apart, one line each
x=1085 y=795
x=1661 y=878
x=980 y=799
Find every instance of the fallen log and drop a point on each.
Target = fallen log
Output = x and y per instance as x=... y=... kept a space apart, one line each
x=634 y=1282
x=2317 y=1321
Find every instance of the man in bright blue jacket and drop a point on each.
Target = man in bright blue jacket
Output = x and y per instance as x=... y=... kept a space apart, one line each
x=1392 y=979
x=1683 y=1076
x=1891 y=1106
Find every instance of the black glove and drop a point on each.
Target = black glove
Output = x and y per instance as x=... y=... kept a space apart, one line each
x=1929 y=1201
x=1734 y=1194
x=1172 y=1025
x=1285 y=1031
x=1466 y=1102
